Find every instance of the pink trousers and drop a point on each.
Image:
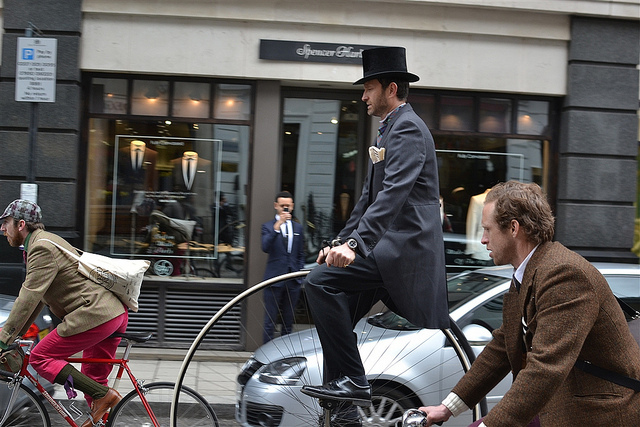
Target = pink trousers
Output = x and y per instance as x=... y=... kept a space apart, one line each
x=47 y=357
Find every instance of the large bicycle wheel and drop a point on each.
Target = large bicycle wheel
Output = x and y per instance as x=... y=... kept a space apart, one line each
x=193 y=409
x=407 y=367
x=28 y=409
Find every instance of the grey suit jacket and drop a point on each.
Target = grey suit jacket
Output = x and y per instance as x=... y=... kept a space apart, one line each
x=571 y=314
x=397 y=218
x=53 y=279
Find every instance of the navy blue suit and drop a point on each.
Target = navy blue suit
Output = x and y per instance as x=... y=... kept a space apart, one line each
x=281 y=297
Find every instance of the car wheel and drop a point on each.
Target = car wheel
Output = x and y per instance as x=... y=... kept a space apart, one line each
x=388 y=404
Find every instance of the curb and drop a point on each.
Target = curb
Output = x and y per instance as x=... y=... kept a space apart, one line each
x=144 y=353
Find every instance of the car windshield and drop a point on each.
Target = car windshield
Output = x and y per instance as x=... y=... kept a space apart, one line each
x=467 y=286
x=461 y=288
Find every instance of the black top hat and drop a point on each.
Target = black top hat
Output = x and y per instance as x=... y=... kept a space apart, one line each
x=387 y=62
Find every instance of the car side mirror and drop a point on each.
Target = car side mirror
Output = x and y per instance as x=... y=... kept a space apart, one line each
x=476 y=334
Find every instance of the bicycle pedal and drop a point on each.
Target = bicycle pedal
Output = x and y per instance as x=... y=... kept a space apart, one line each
x=329 y=404
x=71 y=411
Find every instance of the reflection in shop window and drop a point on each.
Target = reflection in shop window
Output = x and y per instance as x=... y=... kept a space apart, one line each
x=533 y=117
x=150 y=98
x=319 y=163
x=495 y=115
x=108 y=96
x=456 y=113
x=232 y=101
x=425 y=107
x=191 y=99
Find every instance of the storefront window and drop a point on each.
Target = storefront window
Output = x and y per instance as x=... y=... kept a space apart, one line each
x=191 y=99
x=533 y=117
x=168 y=190
x=456 y=113
x=150 y=98
x=324 y=164
x=232 y=102
x=495 y=115
x=321 y=146
x=425 y=107
x=109 y=96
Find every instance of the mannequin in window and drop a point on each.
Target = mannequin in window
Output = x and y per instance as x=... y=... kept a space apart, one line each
x=474 y=228
x=193 y=177
x=136 y=171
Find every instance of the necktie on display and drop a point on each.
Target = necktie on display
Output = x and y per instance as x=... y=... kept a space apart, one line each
x=188 y=171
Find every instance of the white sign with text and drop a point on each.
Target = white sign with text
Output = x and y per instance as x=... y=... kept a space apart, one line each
x=36 y=63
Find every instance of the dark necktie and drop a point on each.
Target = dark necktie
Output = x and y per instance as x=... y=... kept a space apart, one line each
x=516 y=283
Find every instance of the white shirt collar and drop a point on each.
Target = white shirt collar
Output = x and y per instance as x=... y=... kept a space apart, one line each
x=519 y=273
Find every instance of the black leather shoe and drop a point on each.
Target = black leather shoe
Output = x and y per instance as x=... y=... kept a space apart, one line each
x=342 y=390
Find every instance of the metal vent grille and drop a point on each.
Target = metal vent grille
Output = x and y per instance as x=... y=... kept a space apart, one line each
x=176 y=316
x=146 y=319
x=187 y=312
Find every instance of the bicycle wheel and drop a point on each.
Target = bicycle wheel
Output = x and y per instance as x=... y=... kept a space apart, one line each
x=193 y=409
x=28 y=409
x=407 y=367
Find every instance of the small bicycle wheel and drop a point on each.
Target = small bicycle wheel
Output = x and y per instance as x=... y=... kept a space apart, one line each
x=28 y=409
x=193 y=409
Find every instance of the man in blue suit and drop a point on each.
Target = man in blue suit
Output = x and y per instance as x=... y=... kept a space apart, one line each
x=391 y=248
x=282 y=240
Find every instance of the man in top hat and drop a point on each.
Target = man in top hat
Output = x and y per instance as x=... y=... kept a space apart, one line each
x=391 y=248
x=90 y=313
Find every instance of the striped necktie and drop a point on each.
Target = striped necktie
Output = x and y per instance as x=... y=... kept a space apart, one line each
x=382 y=128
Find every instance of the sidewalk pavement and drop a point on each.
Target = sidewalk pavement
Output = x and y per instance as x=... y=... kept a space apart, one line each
x=212 y=373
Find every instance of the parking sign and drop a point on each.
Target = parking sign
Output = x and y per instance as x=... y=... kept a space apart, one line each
x=36 y=69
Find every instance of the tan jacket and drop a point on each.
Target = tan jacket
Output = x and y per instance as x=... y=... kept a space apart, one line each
x=53 y=279
x=571 y=314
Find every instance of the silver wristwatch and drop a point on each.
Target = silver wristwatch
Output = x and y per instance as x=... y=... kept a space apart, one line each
x=352 y=243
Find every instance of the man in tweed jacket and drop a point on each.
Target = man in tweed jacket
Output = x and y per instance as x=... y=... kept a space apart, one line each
x=562 y=312
x=89 y=312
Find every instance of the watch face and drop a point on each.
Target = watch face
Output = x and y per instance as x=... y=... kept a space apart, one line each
x=352 y=243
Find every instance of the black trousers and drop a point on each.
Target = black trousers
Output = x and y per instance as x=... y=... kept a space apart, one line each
x=338 y=298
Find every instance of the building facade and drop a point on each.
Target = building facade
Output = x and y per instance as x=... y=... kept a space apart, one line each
x=171 y=126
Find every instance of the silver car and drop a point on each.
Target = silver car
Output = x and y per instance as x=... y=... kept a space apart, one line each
x=43 y=324
x=407 y=366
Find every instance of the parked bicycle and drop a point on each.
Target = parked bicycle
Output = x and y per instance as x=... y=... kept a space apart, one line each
x=146 y=405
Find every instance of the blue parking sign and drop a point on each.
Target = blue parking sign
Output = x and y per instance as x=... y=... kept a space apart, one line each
x=27 y=54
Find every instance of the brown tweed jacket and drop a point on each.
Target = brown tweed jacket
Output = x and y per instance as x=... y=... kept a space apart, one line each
x=571 y=314
x=53 y=279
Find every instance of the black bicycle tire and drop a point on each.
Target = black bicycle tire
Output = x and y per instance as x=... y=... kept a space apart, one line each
x=461 y=346
x=170 y=386
x=35 y=399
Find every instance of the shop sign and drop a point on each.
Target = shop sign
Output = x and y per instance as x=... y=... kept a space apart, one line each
x=299 y=51
x=36 y=63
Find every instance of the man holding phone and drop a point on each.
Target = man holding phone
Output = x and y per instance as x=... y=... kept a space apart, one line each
x=282 y=240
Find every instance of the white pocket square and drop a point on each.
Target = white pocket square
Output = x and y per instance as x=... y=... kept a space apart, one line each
x=376 y=154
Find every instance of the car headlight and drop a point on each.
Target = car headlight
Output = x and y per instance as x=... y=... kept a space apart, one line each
x=248 y=369
x=283 y=372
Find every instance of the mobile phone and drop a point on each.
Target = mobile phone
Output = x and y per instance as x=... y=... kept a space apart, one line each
x=285 y=210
